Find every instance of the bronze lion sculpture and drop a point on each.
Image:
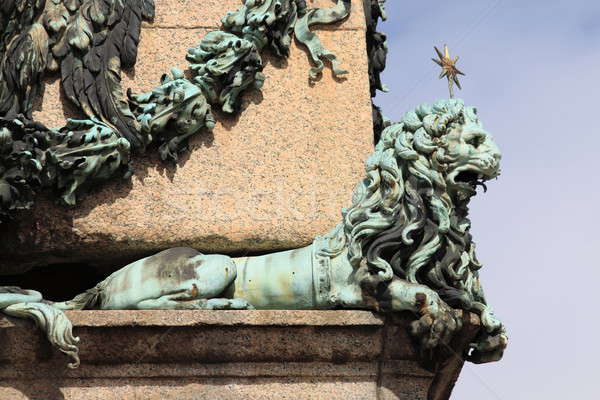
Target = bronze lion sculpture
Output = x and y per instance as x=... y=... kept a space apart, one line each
x=403 y=245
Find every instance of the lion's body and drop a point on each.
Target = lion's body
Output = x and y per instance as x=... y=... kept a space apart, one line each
x=298 y=279
x=184 y=278
x=282 y=280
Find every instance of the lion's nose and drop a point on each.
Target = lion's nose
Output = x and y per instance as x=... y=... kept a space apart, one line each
x=489 y=164
x=494 y=156
x=497 y=156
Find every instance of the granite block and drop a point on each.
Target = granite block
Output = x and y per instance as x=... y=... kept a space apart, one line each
x=271 y=178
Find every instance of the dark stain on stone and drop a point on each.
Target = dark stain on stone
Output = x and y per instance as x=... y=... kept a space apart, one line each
x=339 y=357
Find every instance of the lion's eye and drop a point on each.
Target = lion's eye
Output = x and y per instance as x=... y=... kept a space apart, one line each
x=475 y=140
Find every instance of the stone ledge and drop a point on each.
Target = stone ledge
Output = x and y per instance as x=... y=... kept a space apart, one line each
x=229 y=370
x=225 y=354
x=128 y=318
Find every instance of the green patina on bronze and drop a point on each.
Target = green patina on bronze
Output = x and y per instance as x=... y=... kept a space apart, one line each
x=377 y=51
x=404 y=244
x=89 y=42
x=68 y=159
x=171 y=113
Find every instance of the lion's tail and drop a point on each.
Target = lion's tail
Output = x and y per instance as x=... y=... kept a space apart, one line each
x=86 y=300
x=90 y=299
x=21 y=303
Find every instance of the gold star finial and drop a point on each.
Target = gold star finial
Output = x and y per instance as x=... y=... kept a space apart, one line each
x=449 y=69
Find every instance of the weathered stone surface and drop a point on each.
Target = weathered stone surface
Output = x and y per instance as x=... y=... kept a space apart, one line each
x=272 y=178
x=397 y=387
x=195 y=389
x=221 y=354
x=208 y=13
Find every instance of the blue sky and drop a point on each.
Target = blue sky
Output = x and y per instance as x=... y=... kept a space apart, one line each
x=533 y=71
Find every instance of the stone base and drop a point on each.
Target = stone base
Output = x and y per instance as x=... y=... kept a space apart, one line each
x=226 y=355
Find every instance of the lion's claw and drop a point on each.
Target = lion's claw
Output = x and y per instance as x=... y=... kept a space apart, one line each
x=435 y=330
x=488 y=348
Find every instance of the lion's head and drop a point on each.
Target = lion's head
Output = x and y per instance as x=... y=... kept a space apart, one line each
x=409 y=215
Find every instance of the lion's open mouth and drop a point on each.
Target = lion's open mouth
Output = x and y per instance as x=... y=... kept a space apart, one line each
x=471 y=178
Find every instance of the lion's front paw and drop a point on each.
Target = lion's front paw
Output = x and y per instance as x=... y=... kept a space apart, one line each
x=489 y=347
x=436 y=328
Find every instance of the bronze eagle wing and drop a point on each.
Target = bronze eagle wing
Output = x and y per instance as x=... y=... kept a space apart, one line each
x=89 y=41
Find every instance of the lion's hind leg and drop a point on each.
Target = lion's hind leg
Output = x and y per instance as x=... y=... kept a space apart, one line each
x=213 y=304
x=176 y=302
x=198 y=285
x=186 y=301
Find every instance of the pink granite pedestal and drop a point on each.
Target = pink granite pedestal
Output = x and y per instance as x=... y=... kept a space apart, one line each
x=184 y=355
x=270 y=178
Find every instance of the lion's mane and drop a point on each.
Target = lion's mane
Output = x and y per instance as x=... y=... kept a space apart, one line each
x=402 y=222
